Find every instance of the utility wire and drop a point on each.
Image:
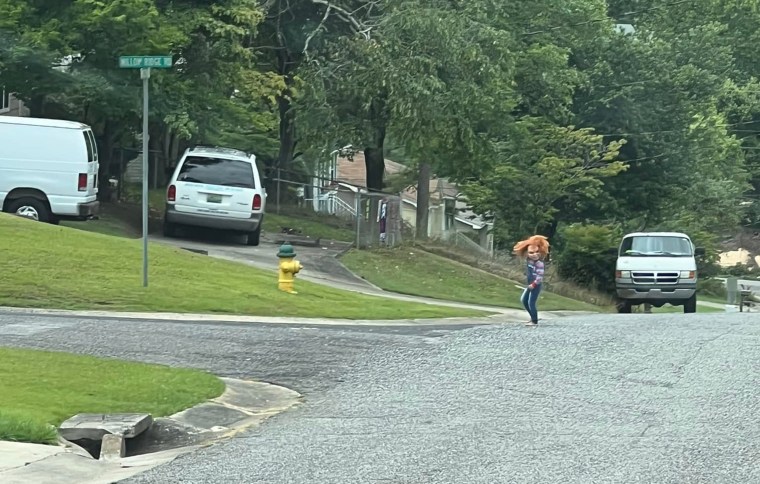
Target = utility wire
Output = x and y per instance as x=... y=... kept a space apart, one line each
x=607 y=19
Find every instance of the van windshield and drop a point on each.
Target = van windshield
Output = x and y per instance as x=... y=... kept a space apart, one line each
x=656 y=245
x=217 y=171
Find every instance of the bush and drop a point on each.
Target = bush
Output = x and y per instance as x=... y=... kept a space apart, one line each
x=712 y=287
x=583 y=255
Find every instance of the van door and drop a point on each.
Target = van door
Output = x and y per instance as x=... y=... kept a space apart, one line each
x=92 y=164
x=215 y=186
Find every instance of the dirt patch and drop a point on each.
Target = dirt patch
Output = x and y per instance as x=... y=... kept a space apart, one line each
x=742 y=248
x=131 y=214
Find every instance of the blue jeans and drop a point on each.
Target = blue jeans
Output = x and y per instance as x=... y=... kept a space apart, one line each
x=528 y=299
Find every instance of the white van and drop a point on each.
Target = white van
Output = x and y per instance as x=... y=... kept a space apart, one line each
x=48 y=169
x=218 y=188
x=657 y=268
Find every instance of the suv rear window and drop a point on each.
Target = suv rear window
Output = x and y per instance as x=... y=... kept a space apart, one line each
x=217 y=171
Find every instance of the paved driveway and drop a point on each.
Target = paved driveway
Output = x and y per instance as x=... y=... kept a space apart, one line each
x=666 y=398
x=320 y=264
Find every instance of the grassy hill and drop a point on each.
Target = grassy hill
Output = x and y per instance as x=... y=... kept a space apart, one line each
x=47 y=266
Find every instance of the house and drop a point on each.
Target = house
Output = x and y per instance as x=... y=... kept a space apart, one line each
x=448 y=213
x=10 y=105
x=336 y=185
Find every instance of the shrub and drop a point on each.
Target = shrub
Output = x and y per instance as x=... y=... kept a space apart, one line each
x=583 y=255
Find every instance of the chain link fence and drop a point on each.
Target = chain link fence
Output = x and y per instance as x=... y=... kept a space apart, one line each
x=121 y=179
x=374 y=218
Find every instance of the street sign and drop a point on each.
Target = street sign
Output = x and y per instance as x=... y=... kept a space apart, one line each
x=143 y=61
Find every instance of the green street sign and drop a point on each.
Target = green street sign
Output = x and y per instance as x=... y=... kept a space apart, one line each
x=143 y=61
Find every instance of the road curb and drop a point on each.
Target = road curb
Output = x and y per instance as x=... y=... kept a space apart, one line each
x=43 y=464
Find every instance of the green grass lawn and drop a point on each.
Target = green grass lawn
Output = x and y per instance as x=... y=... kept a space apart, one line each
x=416 y=272
x=314 y=226
x=42 y=389
x=46 y=266
x=107 y=224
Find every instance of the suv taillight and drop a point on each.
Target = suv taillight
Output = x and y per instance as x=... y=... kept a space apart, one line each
x=82 y=185
x=171 y=193
x=256 y=202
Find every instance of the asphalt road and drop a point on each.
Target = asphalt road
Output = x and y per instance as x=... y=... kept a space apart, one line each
x=666 y=398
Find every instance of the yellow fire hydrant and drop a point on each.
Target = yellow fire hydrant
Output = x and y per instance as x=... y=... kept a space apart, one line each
x=289 y=267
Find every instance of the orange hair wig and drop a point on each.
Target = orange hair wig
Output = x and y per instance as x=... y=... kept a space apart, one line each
x=540 y=242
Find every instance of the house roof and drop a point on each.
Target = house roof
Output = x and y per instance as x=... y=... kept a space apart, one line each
x=440 y=188
x=355 y=172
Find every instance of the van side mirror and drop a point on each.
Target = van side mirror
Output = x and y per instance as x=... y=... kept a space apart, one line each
x=611 y=251
x=699 y=251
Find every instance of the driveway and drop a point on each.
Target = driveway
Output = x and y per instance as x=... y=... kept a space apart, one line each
x=319 y=262
x=666 y=398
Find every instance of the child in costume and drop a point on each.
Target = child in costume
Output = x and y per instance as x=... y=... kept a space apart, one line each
x=534 y=249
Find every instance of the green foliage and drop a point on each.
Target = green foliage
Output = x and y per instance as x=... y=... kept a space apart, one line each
x=546 y=173
x=582 y=254
x=542 y=111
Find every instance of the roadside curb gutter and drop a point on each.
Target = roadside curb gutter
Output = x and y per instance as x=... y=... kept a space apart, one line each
x=243 y=404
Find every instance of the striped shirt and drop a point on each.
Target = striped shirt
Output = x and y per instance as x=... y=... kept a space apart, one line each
x=535 y=272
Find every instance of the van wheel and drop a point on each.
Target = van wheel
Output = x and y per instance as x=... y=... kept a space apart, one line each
x=253 y=237
x=30 y=208
x=624 y=307
x=690 y=306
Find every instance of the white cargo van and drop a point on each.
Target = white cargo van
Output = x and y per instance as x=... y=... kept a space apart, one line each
x=657 y=268
x=218 y=188
x=48 y=169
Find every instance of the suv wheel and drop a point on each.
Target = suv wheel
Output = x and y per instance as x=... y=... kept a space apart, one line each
x=253 y=237
x=170 y=229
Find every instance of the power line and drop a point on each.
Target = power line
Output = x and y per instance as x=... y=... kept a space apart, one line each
x=680 y=130
x=587 y=22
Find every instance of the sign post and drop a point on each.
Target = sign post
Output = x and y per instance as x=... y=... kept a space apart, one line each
x=144 y=63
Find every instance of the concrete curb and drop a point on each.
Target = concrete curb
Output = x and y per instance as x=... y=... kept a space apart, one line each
x=245 y=404
x=506 y=316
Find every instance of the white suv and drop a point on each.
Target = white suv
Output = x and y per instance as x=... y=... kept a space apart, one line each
x=218 y=188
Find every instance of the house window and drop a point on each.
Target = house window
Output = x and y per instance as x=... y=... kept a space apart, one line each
x=5 y=101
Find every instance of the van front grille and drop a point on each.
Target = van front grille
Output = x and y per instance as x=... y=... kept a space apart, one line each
x=654 y=277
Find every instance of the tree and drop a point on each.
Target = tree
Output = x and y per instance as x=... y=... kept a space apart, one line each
x=546 y=175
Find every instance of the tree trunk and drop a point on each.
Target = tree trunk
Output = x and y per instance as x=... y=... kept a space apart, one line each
x=374 y=154
x=37 y=106
x=155 y=153
x=105 y=160
x=423 y=201
x=287 y=127
x=287 y=131
x=374 y=158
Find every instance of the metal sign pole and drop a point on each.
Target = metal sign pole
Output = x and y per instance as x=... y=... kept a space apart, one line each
x=144 y=63
x=145 y=76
